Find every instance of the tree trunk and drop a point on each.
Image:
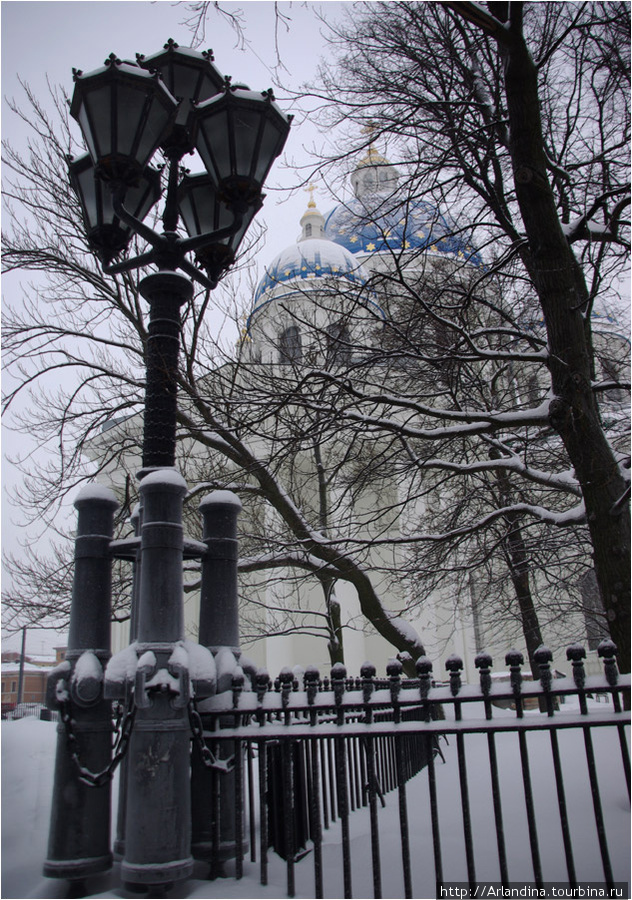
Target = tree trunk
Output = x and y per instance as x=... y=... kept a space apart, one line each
x=517 y=559
x=561 y=288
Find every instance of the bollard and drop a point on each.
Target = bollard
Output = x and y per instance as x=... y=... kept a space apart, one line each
x=158 y=818
x=219 y=611
x=119 y=841
x=219 y=631
x=79 y=837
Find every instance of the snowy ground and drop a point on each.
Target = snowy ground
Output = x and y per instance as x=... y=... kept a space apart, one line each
x=28 y=750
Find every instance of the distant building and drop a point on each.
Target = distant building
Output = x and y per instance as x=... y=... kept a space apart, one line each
x=34 y=687
x=317 y=308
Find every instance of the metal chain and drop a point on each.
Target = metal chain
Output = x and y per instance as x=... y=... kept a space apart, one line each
x=208 y=757
x=123 y=728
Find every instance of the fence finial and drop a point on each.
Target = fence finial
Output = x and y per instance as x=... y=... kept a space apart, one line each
x=543 y=658
x=577 y=654
x=483 y=661
x=454 y=665
x=607 y=650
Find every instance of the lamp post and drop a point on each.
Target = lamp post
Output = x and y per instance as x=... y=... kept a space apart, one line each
x=173 y=102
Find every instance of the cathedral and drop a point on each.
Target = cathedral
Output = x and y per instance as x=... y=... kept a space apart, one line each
x=343 y=305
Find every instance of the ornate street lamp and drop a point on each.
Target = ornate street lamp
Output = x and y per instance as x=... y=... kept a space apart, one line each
x=172 y=102
x=126 y=112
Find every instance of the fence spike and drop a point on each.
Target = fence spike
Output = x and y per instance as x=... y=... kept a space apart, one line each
x=286 y=681
x=338 y=676
x=543 y=657
x=483 y=662
x=312 y=682
x=454 y=665
x=367 y=672
x=237 y=685
x=394 y=672
x=424 y=671
x=262 y=684
x=607 y=650
x=514 y=659
x=577 y=654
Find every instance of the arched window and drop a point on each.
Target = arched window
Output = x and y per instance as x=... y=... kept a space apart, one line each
x=338 y=344
x=290 y=349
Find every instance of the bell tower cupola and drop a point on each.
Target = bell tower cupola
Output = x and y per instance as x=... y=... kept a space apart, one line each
x=312 y=221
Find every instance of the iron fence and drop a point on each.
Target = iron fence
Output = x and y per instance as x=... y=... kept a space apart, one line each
x=307 y=758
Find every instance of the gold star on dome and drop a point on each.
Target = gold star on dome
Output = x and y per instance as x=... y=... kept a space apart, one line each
x=370 y=246
x=354 y=239
x=434 y=247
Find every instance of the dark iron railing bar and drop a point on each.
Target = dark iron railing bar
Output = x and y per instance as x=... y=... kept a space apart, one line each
x=352 y=802
x=263 y=820
x=434 y=818
x=287 y=755
x=454 y=665
x=530 y=808
x=498 y=811
x=596 y=798
x=316 y=831
x=403 y=817
x=333 y=789
x=343 y=812
x=483 y=663
x=561 y=802
x=576 y=654
x=251 y=801
x=607 y=651
x=216 y=862
x=356 y=771
x=543 y=657
x=375 y=840
x=239 y=809
x=323 y=768
x=515 y=660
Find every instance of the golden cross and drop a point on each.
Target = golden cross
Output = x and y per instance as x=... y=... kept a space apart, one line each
x=311 y=187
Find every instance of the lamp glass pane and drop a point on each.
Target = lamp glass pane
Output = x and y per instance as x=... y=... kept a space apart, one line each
x=86 y=187
x=214 y=144
x=95 y=121
x=268 y=149
x=139 y=200
x=246 y=124
x=130 y=105
x=188 y=215
x=155 y=125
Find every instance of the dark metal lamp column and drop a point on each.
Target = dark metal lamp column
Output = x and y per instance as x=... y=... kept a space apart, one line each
x=172 y=102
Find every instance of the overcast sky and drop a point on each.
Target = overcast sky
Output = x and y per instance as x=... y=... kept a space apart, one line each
x=43 y=41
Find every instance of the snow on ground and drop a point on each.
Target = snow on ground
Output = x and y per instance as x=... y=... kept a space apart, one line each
x=28 y=752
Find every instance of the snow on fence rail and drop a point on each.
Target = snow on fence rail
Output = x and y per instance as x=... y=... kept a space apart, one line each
x=530 y=778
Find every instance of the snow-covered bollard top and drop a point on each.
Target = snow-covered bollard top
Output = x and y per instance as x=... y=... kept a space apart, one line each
x=87 y=679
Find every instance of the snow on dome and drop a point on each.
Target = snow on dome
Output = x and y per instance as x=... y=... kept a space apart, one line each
x=360 y=227
x=307 y=261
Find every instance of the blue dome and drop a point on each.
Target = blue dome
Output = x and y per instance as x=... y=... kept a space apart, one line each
x=401 y=227
x=307 y=261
